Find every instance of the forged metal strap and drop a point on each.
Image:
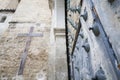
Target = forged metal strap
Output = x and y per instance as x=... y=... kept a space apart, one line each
x=30 y=35
x=25 y=52
x=73 y=70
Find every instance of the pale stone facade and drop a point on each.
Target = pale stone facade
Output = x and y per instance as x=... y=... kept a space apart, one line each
x=58 y=42
x=46 y=59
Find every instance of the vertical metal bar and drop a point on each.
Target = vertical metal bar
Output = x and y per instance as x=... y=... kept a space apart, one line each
x=67 y=43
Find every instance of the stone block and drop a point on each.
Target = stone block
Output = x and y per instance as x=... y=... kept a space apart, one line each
x=61 y=64
x=4 y=78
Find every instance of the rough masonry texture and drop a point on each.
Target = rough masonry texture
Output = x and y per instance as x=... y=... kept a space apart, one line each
x=44 y=61
x=45 y=55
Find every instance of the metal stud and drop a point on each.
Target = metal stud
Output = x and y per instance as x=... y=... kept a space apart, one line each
x=111 y=1
x=85 y=14
x=86 y=46
x=77 y=68
x=119 y=66
x=81 y=35
x=95 y=29
x=100 y=75
x=77 y=47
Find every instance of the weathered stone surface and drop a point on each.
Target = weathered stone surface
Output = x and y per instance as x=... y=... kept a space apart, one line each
x=12 y=48
x=20 y=77
x=60 y=55
x=58 y=59
x=4 y=25
x=32 y=11
x=8 y=4
x=43 y=62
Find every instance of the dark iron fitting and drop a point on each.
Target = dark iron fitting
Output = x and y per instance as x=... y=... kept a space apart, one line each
x=85 y=15
x=81 y=35
x=95 y=29
x=111 y=1
x=100 y=75
x=86 y=46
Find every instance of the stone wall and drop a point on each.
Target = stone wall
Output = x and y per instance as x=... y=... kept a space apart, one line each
x=28 y=14
x=12 y=47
